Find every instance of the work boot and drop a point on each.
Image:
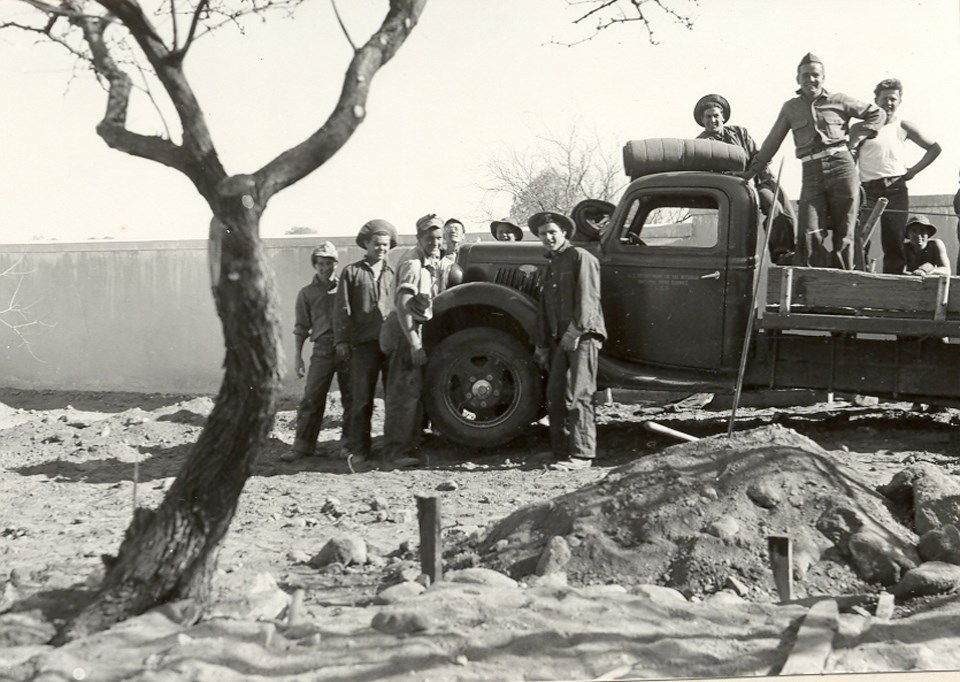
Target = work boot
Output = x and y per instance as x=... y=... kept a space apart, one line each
x=572 y=464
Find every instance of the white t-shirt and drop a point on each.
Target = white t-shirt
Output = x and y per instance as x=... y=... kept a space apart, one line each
x=884 y=155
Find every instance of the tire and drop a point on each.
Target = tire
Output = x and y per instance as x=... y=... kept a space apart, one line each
x=663 y=154
x=590 y=217
x=481 y=362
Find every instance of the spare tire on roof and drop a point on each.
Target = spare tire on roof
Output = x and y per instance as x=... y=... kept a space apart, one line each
x=663 y=154
x=590 y=217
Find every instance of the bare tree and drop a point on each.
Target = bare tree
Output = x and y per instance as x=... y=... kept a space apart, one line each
x=604 y=14
x=170 y=553
x=556 y=174
x=17 y=316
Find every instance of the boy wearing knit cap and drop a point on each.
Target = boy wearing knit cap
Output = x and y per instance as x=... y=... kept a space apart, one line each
x=830 y=193
x=314 y=320
x=364 y=300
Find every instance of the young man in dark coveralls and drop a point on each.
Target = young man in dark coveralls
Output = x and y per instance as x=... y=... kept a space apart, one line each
x=712 y=112
x=830 y=190
x=400 y=337
x=570 y=331
x=314 y=319
x=364 y=300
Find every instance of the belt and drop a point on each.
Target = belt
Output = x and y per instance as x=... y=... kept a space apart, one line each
x=829 y=151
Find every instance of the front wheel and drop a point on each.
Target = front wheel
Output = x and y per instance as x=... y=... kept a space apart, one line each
x=483 y=387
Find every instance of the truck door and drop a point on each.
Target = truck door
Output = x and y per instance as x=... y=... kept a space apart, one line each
x=664 y=277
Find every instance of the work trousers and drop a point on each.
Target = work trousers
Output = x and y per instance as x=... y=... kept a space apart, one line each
x=323 y=365
x=403 y=421
x=783 y=230
x=367 y=364
x=570 y=387
x=893 y=221
x=829 y=200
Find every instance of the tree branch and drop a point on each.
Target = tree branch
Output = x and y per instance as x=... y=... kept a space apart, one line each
x=301 y=160
x=343 y=26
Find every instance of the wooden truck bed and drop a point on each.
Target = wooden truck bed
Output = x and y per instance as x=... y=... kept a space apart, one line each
x=843 y=301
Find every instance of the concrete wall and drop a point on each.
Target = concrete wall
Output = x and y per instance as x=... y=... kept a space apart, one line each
x=139 y=316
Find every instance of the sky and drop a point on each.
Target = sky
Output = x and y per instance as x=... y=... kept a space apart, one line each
x=475 y=80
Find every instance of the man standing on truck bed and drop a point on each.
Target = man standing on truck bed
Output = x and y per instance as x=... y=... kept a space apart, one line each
x=570 y=331
x=884 y=171
x=712 y=112
x=829 y=195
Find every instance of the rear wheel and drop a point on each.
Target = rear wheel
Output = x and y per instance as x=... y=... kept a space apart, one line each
x=483 y=387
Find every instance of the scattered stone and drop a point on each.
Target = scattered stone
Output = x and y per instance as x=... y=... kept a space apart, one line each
x=930 y=578
x=105 y=431
x=501 y=545
x=551 y=580
x=876 y=560
x=941 y=544
x=839 y=524
x=461 y=660
x=710 y=492
x=764 y=494
x=448 y=486
x=346 y=550
x=733 y=583
x=927 y=495
x=401 y=516
x=409 y=572
x=376 y=561
x=399 y=593
x=659 y=594
x=332 y=507
x=725 y=528
x=263 y=600
x=724 y=598
x=480 y=576
x=399 y=623
x=378 y=504
x=554 y=557
x=298 y=557
x=423 y=579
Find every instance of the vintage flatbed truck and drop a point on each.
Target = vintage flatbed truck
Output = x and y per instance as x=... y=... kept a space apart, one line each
x=680 y=258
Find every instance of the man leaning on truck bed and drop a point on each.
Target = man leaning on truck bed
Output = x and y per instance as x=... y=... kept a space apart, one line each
x=830 y=193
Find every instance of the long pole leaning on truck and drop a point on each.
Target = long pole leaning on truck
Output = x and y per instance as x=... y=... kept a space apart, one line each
x=752 y=315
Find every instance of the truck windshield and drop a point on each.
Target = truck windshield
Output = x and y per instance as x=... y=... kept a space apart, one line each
x=672 y=221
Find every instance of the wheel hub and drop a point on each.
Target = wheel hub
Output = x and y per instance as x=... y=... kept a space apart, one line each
x=482 y=389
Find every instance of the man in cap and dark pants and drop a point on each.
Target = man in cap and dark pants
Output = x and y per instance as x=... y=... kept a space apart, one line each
x=712 y=112
x=364 y=300
x=570 y=331
x=830 y=193
x=314 y=319
x=401 y=338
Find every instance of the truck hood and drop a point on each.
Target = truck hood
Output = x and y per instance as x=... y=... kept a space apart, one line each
x=511 y=264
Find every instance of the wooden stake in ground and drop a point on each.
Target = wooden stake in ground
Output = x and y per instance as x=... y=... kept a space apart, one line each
x=431 y=551
x=781 y=561
x=814 y=641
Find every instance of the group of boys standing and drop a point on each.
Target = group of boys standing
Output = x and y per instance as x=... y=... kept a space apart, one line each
x=368 y=325
x=839 y=162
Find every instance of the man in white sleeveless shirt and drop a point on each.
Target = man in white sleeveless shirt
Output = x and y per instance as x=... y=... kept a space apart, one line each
x=884 y=171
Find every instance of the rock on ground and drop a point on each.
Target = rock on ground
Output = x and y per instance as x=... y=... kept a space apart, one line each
x=927 y=495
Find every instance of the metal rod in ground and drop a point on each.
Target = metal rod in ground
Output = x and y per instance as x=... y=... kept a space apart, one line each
x=781 y=561
x=431 y=551
x=753 y=302
x=667 y=431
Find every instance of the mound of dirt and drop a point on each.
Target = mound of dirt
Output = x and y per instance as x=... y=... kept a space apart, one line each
x=697 y=517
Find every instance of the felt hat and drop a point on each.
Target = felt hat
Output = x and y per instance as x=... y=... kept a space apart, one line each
x=712 y=100
x=505 y=222
x=538 y=220
x=325 y=250
x=431 y=221
x=923 y=222
x=376 y=226
x=809 y=58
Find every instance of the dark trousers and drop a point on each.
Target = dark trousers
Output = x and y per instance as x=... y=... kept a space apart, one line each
x=783 y=230
x=570 y=388
x=893 y=222
x=367 y=364
x=403 y=421
x=829 y=200
x=323 y=365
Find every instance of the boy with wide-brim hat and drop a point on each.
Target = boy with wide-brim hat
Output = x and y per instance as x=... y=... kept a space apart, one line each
x=924 y=255
x=570 y=331
x=314 y=319
x=364 y=300
x=505 y=231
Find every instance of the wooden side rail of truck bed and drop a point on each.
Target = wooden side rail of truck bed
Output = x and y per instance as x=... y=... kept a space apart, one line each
x=853 y=302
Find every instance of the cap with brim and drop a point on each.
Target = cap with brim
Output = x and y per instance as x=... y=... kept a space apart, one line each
x=325 y=250
x=374 y=227
x=538 y=220
x=515 y=229
x=712 y=100
x=923 y=222
x=431 y=221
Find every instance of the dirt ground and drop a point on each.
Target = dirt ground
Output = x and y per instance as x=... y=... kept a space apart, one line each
x=73 y=466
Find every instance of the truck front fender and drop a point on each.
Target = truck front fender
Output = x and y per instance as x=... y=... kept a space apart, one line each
x=482 y=304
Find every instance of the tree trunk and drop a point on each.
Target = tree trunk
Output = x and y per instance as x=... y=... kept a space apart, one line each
x=170 y=553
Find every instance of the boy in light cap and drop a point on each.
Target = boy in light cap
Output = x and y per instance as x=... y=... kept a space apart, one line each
x=314 y=319
x=401 y=338
x=830 y=193
x=364 y=300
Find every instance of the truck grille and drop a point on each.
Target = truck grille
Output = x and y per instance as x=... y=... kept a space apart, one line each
x=515 y=278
